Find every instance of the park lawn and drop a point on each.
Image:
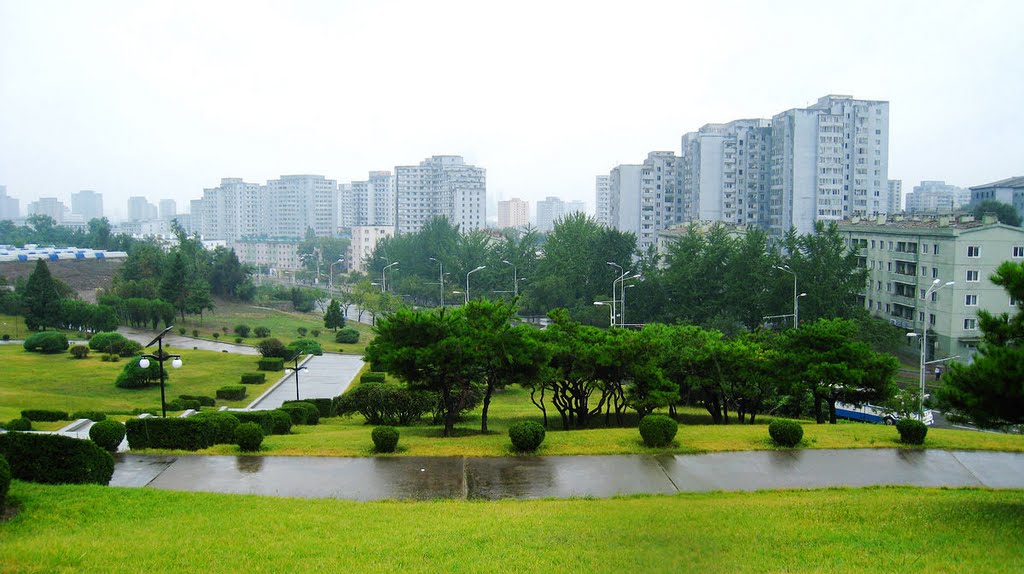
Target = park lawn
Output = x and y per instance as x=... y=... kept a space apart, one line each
x=15 y=327
x=84 y=529
x=59 y=382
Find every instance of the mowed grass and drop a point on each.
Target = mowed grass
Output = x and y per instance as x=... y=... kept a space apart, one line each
x=351 y=436
x=59 y=382
x=86 y=529
x=283 y=325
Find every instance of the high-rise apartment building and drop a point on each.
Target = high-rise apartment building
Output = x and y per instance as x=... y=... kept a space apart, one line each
x=549 y=211
x=937 y=197
x=574 y=206
x=514 y=213
x=440 y=186
x=895 y=195
x=624 y=198
x=194 y=224
x=370 y=202
x=601 y=201
x=297 y=203
x=139 y=209
x=49 y=206
x=232 y=210
x=644 y=199
x=9 y=206
x=88 y=204
x=168 y=209
x=829 y=162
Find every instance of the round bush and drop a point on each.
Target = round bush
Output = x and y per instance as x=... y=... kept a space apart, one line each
x=385 y=439
x=911 y=431
x=108 y=434
x=248 y=437
x=282 y=421
x=21 y=424
x=347 y=335
x=5 y=481
x=786 y=432
x=103 y=340
x=526 y=436
x=79 y=351
x=658 y=430
x=304 y=347
x=46 y=342
x=242 y=330
x=261 y=332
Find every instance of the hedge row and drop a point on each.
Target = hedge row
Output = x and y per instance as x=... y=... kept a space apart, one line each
x=40 y=415
x=202 y=399
x=231 y=392
x=56 y=459
x=271 y=364
x=187 y=433
x=254 y=378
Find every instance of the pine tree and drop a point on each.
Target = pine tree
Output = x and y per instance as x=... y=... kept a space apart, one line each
x=42 y=301
x=333 y=319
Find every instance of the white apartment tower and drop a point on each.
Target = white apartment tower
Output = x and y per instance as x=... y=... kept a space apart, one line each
x=829 y=162
x=440 y=186
x=370 y=202
x=231 y=211
x=895 y=195
x=141 y=210
x=514 y=213
x=168 y=209
x=88 y=204
x=624 y=198
x=549 y=211
x=296 y=203
x=601 y=198
x=9 y=206
x=937 y=197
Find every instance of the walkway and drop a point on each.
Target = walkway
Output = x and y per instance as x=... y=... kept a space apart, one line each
x=566 y=476
x=327 y=377
x=175 y=341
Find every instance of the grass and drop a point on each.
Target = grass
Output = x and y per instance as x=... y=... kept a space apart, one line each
x=15 y=327
x=86 y=528
x=58 y=382
x=351 y=437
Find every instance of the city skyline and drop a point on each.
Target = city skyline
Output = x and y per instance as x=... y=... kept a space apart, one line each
x=83 y=111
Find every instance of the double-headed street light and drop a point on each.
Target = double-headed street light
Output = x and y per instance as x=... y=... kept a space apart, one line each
x=384 y=277
x=159 y=357
x=796 y=295
x=440 y=277
x=330 y=280
x=936 y=286
x=615 y=294
x=611 y=311
x=296 y=369
x=467 y=280
x=515 y=277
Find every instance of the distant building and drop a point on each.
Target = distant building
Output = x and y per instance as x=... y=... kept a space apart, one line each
x=231 y=211
x=50 y=206
x=370 y=202
x=296 y=203
x=274 y=255
x=440 y=186
x=1009 y=191
x=88 y=204
x=725 y=174
x=364 y=241
x=139 y=209
x=895 y=196
x=9 y=206
x=168 y=209
x=624 y=198
x=602 y=208
x=549 y=211
x=936 y=197
x=513 y=213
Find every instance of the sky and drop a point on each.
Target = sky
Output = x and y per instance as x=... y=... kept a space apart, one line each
x=163 y=99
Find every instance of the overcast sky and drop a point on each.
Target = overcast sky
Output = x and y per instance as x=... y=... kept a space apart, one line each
x=165 y=98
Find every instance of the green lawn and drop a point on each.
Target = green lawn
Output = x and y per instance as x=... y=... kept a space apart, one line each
x=15 y=327
x=101 y=529
x=33 y=380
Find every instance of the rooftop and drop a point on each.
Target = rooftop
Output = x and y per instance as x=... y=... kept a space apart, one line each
x=1010 y=182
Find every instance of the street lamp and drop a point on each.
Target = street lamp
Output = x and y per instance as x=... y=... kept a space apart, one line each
x=515 y=278
x=796 y=295
x=159 y=357
x=384 y=277
x=611 y=311
x=467 y=280
x=622 y=310
x=440 y=277
x=615 y=295
x=296 y=369
x=935 y=287
x=330 y=279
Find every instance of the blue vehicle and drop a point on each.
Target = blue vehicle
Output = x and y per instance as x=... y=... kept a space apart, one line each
x=875 y=414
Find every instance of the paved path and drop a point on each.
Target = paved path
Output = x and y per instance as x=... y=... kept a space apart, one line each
x=175 y=341
x=327 y=377
x=565 y=476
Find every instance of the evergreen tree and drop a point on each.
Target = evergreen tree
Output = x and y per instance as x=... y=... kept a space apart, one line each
x=41 y=299
x=333 y=319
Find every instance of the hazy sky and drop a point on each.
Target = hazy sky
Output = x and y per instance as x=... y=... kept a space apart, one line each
x=165 y=98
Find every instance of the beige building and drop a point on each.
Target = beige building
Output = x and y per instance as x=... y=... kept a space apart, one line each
x=513 y=213
x=905 y=257
x=364 y=241
x=273 y=256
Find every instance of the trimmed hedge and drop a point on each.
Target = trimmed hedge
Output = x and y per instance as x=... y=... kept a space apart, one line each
x=188 y=433
x=5 y=481
x=312 y=412
x=347 y=335
x=372 y=377
x=526 y=436
x=282 y=422
x=79 y=351
x=658 y=430
x=107 y=434
x=248 y=437
x=190 y=404
x=911 y=431
x=231 y=392
x=94 y=416
x=254 y=378
x=56 y=459
x=263 y=418
x=786 y=432
x=19 y=425
x=326 y=407
x=174 y=405
x=385 y=439
x=298 y=413
x=46 y=342
x=203 y=400
x=102 y=341
x=224 y=424
x=40 y=415
x=271 y=364
x=385 y=403
x=305 y=347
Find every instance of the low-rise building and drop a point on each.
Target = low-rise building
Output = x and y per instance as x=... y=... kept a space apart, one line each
x=364 y=241
x=271 y=255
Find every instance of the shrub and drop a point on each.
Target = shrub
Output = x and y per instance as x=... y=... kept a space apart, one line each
x=189 y=433
x=224 y=424
x=79 y=351
x=109 y=358
x=239 y=339
x=385 y=404
x=304 y=347
x=325 y=406
x=231 y=392
x=5 y=481
x=248 y=437
x=195 y=333
x=312 y=412
x=347 y=335
x=94 y=416
x=786 y=432
x=182 y=331
x=39 y=415
x=658 y=430
x=56 y=459
x=315 y=333
x=216 y=335
x=46 y=342
x=911 y=431
x=190 y=404
x=6 y=337
x=203 y=400
x=21 y=424
x=102 y=341
x=271 y=364
x=174 y=405
x=302 y=331
x=298 y=413
x=372 y=377
x=254 y=378
x=135 y=377
x=272 y=347
x=126 y=348
x=385 y=439
x=526 y=436
x=242 y=330
x=107 y=434
x=261 y=332
x=263 y=418
x=282 y=422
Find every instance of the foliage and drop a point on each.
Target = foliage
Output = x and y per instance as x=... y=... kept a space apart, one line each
x=107 y=434
x=333 y=319
x=282 y=422
x=254 y=378
x=201 y=399
x=1004 y=212
x=304 y=347
x=658 y=430
x=223 y=423
x=95 y=416
x=261 y=332
x=19 y=424
x=189 y=433
x=41 y=299
x=385 y=438
x=56 y=459
x=347 y=335
x=231 y=392
x=248 y=437
x=46 y=342
x=312 y=412
x=786 y=432
x=271 y=364
x=385 y=404
x=911 y=431
x=372 y=377
x=40 y=415
x=298 y=413
x=326 y=407
x=5 y=482
x=228 y=277
x=273 y=348
x=135 y=377
x=79 y=351
x=526 y=436
x=242 y=330
x=264 y=419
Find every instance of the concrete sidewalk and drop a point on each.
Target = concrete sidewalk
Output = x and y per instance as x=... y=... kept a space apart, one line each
x=176 y=341
x=326 y=377
x=375 y=478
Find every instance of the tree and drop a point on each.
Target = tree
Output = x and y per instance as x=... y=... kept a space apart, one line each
x=1004 y=212
x=333 y=319
x=827 y=270
x=990 y=391
x=41 y=299
x=175 y=287
x=228 y=277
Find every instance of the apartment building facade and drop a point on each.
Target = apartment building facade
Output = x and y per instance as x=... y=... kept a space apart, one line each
x=10 y=207
x=364 y=241
x=602 y=198
x=936 y=197
x=895 y=196
x=513 y=213
x=88 y=204
x=442 y=185
x=1009 y=191
x=369 y=202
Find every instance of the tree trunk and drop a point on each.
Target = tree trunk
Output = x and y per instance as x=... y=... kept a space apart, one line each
x=818 y=418
x=487 y=404
x=832 y=411
x=540 y=405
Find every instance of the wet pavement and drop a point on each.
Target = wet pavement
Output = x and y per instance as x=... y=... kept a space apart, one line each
x=376 y=478
x=175 y=341
x=326 y=377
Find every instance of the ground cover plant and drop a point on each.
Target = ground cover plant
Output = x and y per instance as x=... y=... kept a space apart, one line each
x=81 y=529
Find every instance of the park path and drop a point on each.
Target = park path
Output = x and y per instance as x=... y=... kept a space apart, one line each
x=526 y=477
x=175 y=341
x=326 y=377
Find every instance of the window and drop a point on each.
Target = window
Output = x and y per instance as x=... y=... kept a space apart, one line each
x=1018 y=251
x=920 y=316
x=971 y=300
x=931 y=319
x=935 y=272
x=974 y=251
x=970 y=324
x=924 y=248
x=972 y=275
x=922 y=298
x=1014 y=302
x=935 y=249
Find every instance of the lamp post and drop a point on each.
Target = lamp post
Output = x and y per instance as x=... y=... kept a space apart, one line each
x=296 y=369
x=440 y=277
x=330 y=279
x=384 y=277
x=515 y=277
x=796 y=295
x=935 y=287
x=615 y=295
x=611 y=311
x=622 y=309
x=159 y=357
x=467 y=280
